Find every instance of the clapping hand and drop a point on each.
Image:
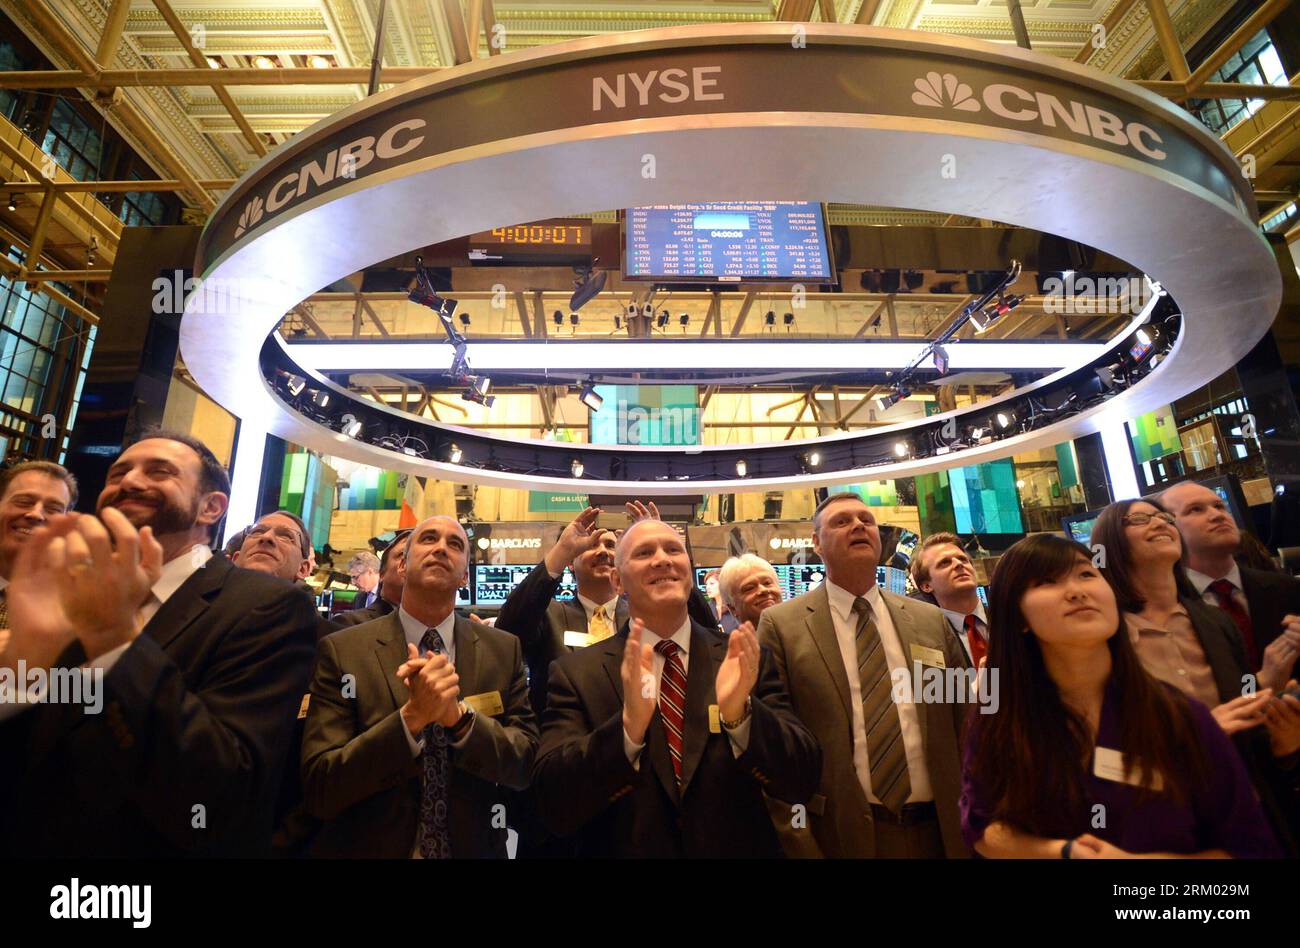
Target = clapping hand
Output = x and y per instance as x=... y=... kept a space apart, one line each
x=1241 y=714
x=434 y=688
x=738 y=672
x=639 y=692
x=573 y=542
x=637 y=511
x=1280 y=654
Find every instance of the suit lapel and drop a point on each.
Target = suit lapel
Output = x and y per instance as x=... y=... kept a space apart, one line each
x=707 y=653
x=821 y=627
x=390 y=653
x=466 y=656
x=189 y=601
x=620 y=613
x=905 y=629
x=656 y=740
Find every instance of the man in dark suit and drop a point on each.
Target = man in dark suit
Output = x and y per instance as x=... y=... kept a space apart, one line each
x=390 y=585
x=364 y=570
x=660 y=741
x=549 y=628
x=891 y=775
x=942 y=569
x=203 y=667
x=394 y=762
x=1264 y=606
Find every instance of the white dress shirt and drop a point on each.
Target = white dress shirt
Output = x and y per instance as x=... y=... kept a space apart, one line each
x=590 y=608
x=846 y=628
x=1202 y=584
x=739 y=736
x=958 y=622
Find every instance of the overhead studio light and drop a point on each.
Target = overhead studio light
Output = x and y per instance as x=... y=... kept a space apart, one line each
x=464 y=320
x=295 y=385
x=454 y=453
x=13 y=202
x=941 y=361
x=351 y=428
x=769 y=319
x=318 y=62
x=900 y=449
x=742 y=469
x=573 y=319
x=263 y=62
x=576 y=467
x=788 y=320
x=648 y=311
x=1143 y=337
x=812 y=459
x=320 y=399
x=479 y=385
x=662 y=320
x=558 y=317
x=1004 y=420
x=684 y=319
x=589 y=396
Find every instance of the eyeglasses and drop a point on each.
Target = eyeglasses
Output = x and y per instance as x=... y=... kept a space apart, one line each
x=1142 y=519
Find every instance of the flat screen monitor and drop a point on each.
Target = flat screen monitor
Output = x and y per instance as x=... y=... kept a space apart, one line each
x=493 y=583
x=1078 y=526
x=797 y=580
x=728 y=242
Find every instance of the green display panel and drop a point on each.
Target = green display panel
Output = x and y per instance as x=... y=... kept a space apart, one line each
x=985 y=499
x=540 y=501
x=647 y=414
x=307 y=489
x=1065 y=464
x=372 y=489
x=874 y=493
x=934 y=503
x=1154 y=435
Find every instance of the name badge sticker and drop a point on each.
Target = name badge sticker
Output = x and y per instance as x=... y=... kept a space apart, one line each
x=927 y=656
x=489 y=703
x=715 y=720
x=577 y=639
x=1108 y=764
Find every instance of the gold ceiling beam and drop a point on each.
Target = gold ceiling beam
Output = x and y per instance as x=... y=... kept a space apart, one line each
x=39 y=183
x=112 y=35
x=1108 y=26
x=867 y=12
x=201 y=62
x=55 y=31
x=489 y=21
x=1175 y=58
x=1221 y=90
x=1239 y=38
x=458 y=31
x=67 y=302
x=106 y=187
x=91 y=78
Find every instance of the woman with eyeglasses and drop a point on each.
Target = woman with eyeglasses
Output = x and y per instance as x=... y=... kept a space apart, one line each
x=1087 y=755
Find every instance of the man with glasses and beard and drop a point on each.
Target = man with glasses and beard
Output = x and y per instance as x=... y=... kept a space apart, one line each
x=203 y=668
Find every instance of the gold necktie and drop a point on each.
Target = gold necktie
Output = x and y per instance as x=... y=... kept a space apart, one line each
x=598 y=626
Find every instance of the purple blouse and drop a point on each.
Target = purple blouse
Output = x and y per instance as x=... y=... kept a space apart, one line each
x=1222 y=814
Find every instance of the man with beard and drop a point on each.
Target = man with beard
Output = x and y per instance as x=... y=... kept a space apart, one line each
x=391 y=581
x=748 y=585
x=941 y=568
x=418 y=721
x=30 y=493
x=891 y=777
x=203 y=668
x=660 y=741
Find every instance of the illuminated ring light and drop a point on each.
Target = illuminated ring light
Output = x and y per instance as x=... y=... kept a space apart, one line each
x=778 y=111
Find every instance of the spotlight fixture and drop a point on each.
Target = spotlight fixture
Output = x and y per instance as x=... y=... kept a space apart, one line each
x=576 y=467
x=573 y=319
x=742 y=469
x=1005 y=419
x=589 y=396
x=769 y=319
x=558 y=317
x=812 y=459
x=13 y=202
x=318 y=62
x=351 y=428
x=454 y=453
x=900 y=449
x=464 y=320
x=941 y=360
x=295 y=385
x=1143 y=337
x=632 y=311
x=886 y=402
x=648 y=311
x=588 y=285
x=479 y=385
x=320 y=399
x=976 y=434
x=662 y=319
x=263 y=62
x=618 y=321
x=684 y=319
x=788 y=320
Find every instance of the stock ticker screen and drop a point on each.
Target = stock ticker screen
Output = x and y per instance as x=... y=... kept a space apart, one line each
x=492 y=583
x=728 y=241
x=797 y=580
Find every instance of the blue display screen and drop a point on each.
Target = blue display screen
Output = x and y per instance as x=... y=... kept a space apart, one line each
x=728 y=241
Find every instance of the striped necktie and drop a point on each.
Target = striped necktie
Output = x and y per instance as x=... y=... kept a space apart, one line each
x=886 y=754
x=672 y=701
x=435 y=836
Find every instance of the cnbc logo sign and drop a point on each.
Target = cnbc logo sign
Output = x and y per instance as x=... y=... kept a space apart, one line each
x=1014 y=103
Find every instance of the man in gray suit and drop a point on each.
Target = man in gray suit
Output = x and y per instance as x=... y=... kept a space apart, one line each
x=849 y=654
x=417 y=721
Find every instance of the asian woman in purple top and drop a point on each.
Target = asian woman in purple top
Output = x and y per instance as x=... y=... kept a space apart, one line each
x=1088 y=756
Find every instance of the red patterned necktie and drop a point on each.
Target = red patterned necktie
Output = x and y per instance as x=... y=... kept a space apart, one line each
x=672 y=701
x=1222 y=590
x=978 y=647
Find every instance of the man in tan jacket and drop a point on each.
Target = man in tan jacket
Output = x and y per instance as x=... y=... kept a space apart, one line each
x=852 y=656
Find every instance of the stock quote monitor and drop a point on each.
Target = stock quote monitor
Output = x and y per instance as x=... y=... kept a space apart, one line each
x=493 y=583
x=797 y=580
x=727 y=242
x=1078 y=527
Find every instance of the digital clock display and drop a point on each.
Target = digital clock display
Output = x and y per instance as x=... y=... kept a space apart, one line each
x=546 y=234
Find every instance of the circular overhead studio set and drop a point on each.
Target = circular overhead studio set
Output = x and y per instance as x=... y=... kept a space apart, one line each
x=812 y=112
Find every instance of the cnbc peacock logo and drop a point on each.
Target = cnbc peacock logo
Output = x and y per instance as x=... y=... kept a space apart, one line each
x=948 y=92
x=345 y=161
